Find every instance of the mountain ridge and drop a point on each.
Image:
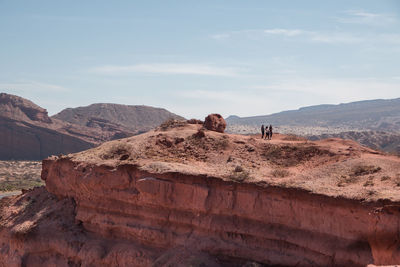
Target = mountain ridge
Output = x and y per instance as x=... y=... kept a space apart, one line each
x=28 y=133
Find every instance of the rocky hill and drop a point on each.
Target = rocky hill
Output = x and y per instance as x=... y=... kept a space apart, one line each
x=28 y=133
x=107 y=117
x=382 y=115
x=182 y=195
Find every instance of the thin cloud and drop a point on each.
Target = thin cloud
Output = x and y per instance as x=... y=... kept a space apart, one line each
x=167 y=68
x=335 y=37
x=364 y=17
x=286 y=32
x=220 y=36
x=339 y=88
x=32 y=86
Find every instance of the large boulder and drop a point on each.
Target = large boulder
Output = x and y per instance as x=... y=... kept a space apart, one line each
x=215 y=122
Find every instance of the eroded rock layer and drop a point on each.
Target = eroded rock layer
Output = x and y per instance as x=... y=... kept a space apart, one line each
x=228 y=220
x=172 y=197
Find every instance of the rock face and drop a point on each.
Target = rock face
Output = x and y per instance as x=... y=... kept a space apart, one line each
x=27 y=133
x=170 y=199
x=25 y=141
x=18 y=108
x=215 y=122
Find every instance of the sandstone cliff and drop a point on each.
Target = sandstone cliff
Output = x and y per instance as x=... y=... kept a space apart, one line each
x=172 y=197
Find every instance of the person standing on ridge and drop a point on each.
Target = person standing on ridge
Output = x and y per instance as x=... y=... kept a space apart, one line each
x=270 y=131
x=266 y=132
x=262 y=131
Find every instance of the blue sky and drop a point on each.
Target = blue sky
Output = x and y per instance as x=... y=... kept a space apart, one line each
x=198 y=57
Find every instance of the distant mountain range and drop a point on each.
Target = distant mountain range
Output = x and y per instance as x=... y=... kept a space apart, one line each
x=27 y=132
x=374 y=123
x=378 y=140
x=361 y=115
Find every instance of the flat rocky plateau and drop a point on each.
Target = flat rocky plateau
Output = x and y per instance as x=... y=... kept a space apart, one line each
x=184 y=196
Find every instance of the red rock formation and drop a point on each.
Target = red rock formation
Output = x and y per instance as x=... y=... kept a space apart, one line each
x=27 y=132
x=190 y=194
x=215 y=122
x=18 y=108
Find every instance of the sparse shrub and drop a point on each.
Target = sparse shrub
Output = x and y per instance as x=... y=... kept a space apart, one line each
x=292 y=155
x=238 y=168
x=384 y=178
x=361 y=170
x=199 y=134
x=158 y=167
x=345 y=180
x=117 y=151
x=280 y=173
x=195 y=121
x=293 y=137
x=172 y=123
x=222 y=143
x=397 y=180
x=239 y=176
x=369 y=182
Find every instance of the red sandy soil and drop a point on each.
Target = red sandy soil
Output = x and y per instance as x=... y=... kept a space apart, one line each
x=333 y=167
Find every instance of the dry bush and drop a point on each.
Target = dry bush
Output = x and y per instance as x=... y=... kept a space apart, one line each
x=221 y=143
x=239 y=174
x=280 y=173
x=117 y=151
x=171 y=123
x=292 y=155
x=369 y=182
x=384 y=178
x=397 y=180
x=361 y=170
x=345 y=180
x=293 y=137
x=195 y=121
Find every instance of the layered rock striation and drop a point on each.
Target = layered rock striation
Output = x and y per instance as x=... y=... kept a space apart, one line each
x=173 y=198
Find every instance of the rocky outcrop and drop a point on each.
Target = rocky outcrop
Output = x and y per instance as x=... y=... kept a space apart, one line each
x=215 y=122
x=143 y=201
x=21 y=109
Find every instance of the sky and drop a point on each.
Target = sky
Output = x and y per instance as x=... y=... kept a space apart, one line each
x=193 y=58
